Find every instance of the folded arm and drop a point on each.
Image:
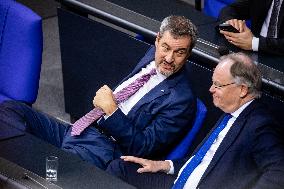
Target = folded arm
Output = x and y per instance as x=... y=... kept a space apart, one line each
x=153 y=129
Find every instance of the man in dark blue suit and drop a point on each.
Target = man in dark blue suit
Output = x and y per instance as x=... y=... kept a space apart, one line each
x=148 y=124
x=247 y=153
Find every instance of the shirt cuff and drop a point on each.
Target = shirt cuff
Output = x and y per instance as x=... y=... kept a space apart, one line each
x=172 y=169
x=255 y=43
x=107 y=116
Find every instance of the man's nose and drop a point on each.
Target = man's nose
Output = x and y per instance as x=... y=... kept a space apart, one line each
x=212 y=89
x=170 y=57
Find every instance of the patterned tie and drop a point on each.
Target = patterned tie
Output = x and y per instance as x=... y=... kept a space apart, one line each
x=272 y=28
x=179 y=184
x=119 y=97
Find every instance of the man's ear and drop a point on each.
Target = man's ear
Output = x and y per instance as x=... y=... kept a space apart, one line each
x=244 y=91
x=157 y=39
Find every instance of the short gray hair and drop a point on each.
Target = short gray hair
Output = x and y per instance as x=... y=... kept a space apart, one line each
x=179 y=26
x=244 y=71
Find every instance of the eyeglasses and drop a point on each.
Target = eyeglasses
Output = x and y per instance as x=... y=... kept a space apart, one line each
x=219 y=86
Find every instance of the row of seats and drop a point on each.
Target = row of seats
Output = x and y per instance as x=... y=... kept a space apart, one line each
x=21 y=46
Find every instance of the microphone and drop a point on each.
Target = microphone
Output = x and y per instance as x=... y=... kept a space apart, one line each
x=223 y=50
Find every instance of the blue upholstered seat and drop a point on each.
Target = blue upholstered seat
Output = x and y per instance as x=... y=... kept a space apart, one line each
x=181 y=150
x=20 y=52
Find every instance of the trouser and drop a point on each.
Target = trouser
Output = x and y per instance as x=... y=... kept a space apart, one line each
x=91 y=145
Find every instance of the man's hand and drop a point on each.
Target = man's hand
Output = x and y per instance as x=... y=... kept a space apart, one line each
x=148 y=165
x=238 y=24
x=242 y=40
x=104 y=99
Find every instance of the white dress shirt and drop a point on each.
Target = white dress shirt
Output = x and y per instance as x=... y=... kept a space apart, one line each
x=127 y=105
x=264 y=29
x=197 y=173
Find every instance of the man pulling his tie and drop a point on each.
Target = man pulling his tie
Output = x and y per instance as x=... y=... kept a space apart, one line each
x=243 y=150
x=267 y=25
x=145 y=115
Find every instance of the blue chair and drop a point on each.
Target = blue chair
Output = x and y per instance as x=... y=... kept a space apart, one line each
x=20 y=52
x=213 y=7
x=181 y=150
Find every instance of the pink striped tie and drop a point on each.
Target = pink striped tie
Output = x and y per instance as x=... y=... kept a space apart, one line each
x=120 y=97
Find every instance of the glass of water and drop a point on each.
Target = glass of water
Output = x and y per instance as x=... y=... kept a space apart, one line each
x=51 y=168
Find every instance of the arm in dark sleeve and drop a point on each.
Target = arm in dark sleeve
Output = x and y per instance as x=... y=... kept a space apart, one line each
x=237 y=10
x=178 y=164
x=268 y=152
x=163 y=126
x=271 y=45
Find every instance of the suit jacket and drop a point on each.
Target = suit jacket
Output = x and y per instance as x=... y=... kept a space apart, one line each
x=158 y=120
x=250 y=156
x=257 y=10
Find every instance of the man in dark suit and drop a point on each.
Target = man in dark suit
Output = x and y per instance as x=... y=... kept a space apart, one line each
x=267 y=25
x=247 y=153
x=148 y=124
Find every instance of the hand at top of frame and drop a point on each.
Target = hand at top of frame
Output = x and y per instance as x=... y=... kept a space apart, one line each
x=238 y=24
x=242 y=40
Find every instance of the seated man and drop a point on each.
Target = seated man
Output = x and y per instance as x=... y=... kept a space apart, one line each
x=146 y=124
x=267 y=25
x=243 y=150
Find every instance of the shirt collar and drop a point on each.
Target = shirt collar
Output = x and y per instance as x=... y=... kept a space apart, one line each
x=236 y=113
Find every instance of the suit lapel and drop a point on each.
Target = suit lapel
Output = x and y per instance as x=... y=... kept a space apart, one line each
x=204 y=140
x=163 y=88
x=226 y=143
x=230 y=138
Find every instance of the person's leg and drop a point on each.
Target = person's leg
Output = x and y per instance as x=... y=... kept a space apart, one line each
x=128 y=173
x=92 y=146
x=22 y=116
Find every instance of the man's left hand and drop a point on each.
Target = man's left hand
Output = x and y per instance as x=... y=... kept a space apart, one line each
x=104 y=99
x=242 y=40
x=148 y=165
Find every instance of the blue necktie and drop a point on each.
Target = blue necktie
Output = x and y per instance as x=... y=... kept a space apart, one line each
x=200 y=154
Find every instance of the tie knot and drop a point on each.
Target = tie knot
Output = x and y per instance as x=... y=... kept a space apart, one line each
x=153 y=72
x=226 y=118
x=228 y=115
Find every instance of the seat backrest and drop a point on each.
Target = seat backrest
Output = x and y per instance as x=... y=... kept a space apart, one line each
x=20 y=52
x=213 y=7
x=181 y=150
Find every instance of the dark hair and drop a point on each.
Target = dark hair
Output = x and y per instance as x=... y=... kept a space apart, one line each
x=245 y=71
x=179 y=26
